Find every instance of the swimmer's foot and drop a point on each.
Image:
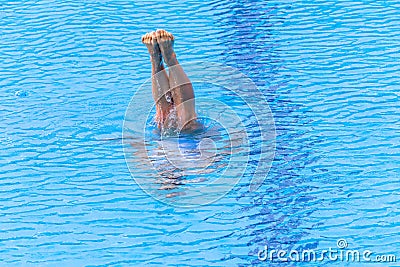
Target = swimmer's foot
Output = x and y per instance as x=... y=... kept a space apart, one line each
x=150 y=40
x=165 y=41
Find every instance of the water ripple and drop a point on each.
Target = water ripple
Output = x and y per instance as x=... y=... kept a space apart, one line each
x=329 y=70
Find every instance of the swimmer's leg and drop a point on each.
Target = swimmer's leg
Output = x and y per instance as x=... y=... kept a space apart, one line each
x=160 y=82
x=179 y=83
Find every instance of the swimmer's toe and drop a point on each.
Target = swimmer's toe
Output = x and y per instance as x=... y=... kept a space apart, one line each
x=163 y=35
x=147 y=38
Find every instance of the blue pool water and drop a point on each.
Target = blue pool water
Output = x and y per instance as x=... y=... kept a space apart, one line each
x=68 y=70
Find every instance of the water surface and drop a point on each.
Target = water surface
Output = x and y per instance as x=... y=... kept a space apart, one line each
x=68 y=70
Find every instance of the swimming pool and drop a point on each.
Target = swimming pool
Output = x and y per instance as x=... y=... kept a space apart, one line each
x=328 y=69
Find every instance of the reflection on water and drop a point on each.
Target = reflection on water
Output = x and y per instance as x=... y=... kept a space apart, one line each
x=277 y=214
x=182 y=159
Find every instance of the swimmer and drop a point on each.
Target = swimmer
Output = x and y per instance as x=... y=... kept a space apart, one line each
x=173 y=92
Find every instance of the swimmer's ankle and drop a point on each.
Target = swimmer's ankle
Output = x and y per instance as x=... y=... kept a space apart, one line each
x=171 y=59
x=156 y=59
